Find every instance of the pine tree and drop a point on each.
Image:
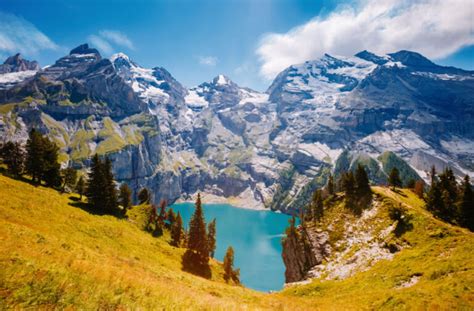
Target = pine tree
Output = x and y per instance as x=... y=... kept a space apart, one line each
x=81 y=187
x=160 y=218
x=419 y=188
x=362 y=182
x=348 y=185
x=434 y=198
x=170 y=218
x=330 y=185
x=317 y=206
x=14 y=157
x=394 y=178
x=144 y=196
x=35 y=156
x=197 y=241
x=177 y=233
x=449 y=186
x=229 y=271
x=110 y=190
x=466 y=204
x=125 y=197
x=96 y=187
x=211 y=237
x=69 y=178
x=51 y=168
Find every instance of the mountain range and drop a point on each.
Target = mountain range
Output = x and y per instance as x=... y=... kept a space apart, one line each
x=234 y=144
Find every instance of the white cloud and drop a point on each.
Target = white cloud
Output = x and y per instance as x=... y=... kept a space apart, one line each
x=208 y=60
x=435 y=28
x=19 y=35
x=101 y=44
x=118 y=38
x=108 y=40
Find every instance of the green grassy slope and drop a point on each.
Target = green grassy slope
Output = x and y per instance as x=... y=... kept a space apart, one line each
x=55 y=255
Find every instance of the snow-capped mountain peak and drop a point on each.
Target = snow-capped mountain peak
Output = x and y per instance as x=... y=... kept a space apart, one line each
x=119 y=55
x=221 y=80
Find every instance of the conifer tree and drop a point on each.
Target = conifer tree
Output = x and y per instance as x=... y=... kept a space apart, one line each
x=330 y=185
x=419 y=188
x=177 y=233
x=466 y=204
x=125 y=197
x=14 y=157
x=170 y=218
x=144 y=196
x=229 y=271
x=317 y=206
x=211 y=237
x=348 y=184
x=394 y=178
x=35 y=156
x=69 y=178
x=81 y=187
x=110 y=190
x=362 y=182
x=95 y=189
x=434 y=198
x=197 y=240
x=448 y=184
x=51 y=168
x=160 y=219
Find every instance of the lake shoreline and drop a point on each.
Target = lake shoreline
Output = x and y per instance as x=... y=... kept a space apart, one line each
x=239 y=202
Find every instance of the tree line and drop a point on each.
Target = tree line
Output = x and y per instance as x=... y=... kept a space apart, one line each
x=446 y=198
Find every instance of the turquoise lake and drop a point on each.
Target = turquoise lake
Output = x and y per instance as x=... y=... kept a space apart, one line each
x=255 y=237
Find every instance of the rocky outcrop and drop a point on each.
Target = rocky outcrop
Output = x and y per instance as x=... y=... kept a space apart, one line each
x=17 y=63
x=303 y=251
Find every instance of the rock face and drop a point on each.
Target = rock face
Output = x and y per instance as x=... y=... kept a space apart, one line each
x=302 y=252
x=342 y=244
x=16 y=63
x=262 y=149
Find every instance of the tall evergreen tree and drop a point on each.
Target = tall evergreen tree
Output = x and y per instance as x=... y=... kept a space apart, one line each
x=394 y=178
x=434 y=197
x=317 y=206
x=466 y=204
x=449 y=186
x=419 y=188
x=35 y=156
x=197 y=241
x=348 y=185
x=170 y=218
x=362 y=181
x=211 y=237
x=14 y=157
x=177 y=233
x=110 y=190
x=51 y=168
x=144 y=196
x=330 y=185
x=229 y=271
x=95 y=190
x=125 y=197
x=81 y=187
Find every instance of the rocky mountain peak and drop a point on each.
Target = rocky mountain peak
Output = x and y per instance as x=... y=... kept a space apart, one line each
x=84 y=49
x=412 y=59
x=371 y=57
x=17 y=63
x=221 y=80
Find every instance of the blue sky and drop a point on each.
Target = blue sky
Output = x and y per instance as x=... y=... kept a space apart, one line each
x=250 y=41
